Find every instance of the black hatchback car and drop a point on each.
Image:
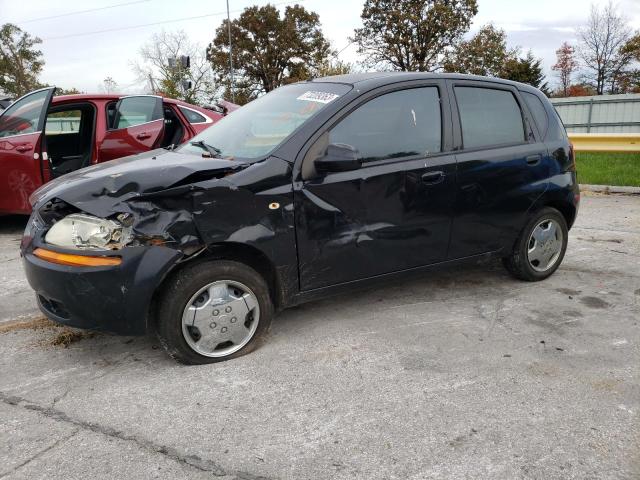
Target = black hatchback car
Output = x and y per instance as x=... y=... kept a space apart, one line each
x=312 y=189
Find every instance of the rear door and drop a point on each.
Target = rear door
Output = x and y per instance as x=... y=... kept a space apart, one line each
x=137 y=126
x=21 y=127
x=502 y=167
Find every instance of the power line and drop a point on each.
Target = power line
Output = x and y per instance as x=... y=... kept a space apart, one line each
x=164 y=22
x=79 y=12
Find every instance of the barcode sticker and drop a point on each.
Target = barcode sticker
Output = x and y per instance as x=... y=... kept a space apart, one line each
x=320 y=97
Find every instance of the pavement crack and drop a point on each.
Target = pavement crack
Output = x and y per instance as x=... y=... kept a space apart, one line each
x=174 y=454
x=40 y=453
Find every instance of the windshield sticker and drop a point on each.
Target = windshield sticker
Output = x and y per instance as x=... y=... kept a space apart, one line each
x=320 y=97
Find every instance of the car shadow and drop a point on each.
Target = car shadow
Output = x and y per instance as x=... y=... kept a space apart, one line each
x=13 y=224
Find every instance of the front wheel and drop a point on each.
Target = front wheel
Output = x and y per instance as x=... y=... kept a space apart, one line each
x=213 y=311
x=540 y=247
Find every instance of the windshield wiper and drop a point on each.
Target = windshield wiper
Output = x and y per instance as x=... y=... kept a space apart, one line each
x=210 y=149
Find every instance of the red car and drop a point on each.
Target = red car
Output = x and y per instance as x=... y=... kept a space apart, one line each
x=43 y=137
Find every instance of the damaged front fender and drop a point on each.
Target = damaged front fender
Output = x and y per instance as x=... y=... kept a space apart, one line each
x=188 y=203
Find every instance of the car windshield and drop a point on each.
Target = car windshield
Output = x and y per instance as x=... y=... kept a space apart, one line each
x=256 y=129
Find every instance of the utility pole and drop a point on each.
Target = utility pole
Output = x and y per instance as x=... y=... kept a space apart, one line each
x=231 y=82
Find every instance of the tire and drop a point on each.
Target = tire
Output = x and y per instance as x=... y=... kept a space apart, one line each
x=520 y=264
x=192 y=323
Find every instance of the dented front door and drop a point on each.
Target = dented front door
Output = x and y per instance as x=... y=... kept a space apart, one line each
x=392 y=214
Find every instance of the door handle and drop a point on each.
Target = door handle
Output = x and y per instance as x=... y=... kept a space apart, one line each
x=432 y=178
x=533 y=160
x=25 y=147
x=143 y=136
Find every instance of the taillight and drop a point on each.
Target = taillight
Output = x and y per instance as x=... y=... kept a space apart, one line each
x=572 y=158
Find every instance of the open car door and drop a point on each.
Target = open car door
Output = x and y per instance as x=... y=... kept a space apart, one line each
x=138 y=126
x=21 y=155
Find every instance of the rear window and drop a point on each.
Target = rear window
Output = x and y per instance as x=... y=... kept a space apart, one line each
x=538 y=111
x=489 y=117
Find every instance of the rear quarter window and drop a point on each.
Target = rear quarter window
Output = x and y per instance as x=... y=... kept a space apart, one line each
x=192 y=116
x=538 y=111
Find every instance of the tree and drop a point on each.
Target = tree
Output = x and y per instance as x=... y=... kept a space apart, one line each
x=67 y=91
x=411 y=35
x=526 y=70
x=602 y=39
x=109 y=85
x=20 y=61
x=566 y=65
x=269 y=50
x=626 y=79
x=165 y=77
x=580 y=90
x=334 y=67
x=484 y=54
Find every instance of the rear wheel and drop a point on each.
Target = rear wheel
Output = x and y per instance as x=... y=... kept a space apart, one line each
x=213 y=311
x=540 y=247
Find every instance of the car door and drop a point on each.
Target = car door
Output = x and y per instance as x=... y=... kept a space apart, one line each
x=502 y=168
x=394 y=212
x=137 y=126
x=21 y=169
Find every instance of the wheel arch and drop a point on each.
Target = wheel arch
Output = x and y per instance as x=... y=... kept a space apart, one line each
x=239 y=252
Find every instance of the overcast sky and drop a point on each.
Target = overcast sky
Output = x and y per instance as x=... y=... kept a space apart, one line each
x=80 y=53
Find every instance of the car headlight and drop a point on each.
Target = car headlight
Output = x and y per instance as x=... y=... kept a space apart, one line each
x=87 y=232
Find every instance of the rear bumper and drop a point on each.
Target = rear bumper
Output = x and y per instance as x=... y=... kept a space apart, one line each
x=110 y=299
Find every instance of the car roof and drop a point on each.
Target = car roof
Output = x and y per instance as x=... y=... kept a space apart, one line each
x=86 y=96
x=378 y=79
x=117 y=96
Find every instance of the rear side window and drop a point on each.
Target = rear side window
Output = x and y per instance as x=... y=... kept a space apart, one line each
x=192 y=115
x=394 y=125
x=489 y=117
x=538 y=111
x=132 y=111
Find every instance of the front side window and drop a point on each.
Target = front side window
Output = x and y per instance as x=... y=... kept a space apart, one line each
x=399 y=124
x=489 y=117
x=61 y=123
x=24 y=115
x=262 y=125
x=132 y=111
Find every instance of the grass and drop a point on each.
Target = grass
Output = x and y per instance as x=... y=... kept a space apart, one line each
x=620 y=169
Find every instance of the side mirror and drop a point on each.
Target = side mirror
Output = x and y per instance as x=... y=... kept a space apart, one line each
x=340 y=157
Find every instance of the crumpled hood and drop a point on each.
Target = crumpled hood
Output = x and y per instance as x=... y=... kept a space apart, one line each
x=94 y=189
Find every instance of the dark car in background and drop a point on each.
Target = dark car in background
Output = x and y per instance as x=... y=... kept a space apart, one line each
x=313 y=189
x=43 y=137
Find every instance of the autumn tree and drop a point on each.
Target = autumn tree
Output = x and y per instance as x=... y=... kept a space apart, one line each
x=626 y=75
x=159 y=66
x=411 y=35
x=526 y=69
x=20 y=61
x=601 y=42
x=334 y=67
x=566 y=65
x=269 y=49
x=483 y=54
x=67 y=91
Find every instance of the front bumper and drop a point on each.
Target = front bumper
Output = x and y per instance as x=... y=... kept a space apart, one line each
x=113 y=299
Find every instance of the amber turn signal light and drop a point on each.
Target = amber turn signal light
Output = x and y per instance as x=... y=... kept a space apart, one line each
x=76 y=260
